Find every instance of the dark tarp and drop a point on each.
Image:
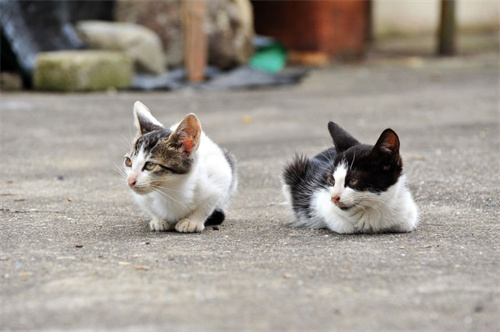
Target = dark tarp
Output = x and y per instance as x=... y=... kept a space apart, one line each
x=29 y=27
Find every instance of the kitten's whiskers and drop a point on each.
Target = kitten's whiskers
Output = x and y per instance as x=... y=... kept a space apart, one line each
x=121 y=171
x=157 y=190
x=168 y=189
x=127 y=142
x=352 y=163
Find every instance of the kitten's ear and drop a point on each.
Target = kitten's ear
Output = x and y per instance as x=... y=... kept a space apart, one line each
x=144 y=121
x=388 y=142
x=187 y=135
x=341 y=138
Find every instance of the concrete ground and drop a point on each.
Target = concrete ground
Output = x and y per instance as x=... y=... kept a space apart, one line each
x=77 y=254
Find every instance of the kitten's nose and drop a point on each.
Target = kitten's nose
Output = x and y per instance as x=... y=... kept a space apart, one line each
x=336 y=199
x=131 y=181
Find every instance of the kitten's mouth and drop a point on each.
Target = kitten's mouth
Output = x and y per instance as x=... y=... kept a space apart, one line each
x=343 y=207
x=140 y=191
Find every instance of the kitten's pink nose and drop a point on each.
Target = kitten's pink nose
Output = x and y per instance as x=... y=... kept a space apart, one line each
x=131 y=180
x=336 y=199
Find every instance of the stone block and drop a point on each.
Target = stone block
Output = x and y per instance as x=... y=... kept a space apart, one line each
x=140 y=43
x=82 y=70
x=228 y=24
x=230 y=31
x=163 y=17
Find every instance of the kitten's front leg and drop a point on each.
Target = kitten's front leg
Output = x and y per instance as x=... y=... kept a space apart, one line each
x=187 y=225
x=195 y=222
x=160 y=225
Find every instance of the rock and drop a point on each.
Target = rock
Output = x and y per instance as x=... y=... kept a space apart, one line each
x=230 y=32
x=140 y=43
x=82 y=70
x=163 y=17
x=229 y=27
x=10 y=81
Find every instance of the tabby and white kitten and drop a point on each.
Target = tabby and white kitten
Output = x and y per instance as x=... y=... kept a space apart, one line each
x=179 y=176
x=352 y=187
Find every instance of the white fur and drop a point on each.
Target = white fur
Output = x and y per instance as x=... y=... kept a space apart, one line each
x=392 y=210
x=186 y=201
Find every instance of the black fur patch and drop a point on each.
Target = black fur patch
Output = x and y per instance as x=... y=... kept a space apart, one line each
x=304 y=176
x=341 y=138
x=216 y=218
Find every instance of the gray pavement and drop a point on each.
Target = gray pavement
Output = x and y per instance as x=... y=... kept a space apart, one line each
x=75 y=253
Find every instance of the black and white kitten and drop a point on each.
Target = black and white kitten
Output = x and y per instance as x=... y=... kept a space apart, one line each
x=351 y=188
x=179 y=176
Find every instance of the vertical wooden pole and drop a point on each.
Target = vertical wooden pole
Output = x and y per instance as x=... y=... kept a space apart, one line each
x=195 y=38
x=369 y=38
x=447 y=28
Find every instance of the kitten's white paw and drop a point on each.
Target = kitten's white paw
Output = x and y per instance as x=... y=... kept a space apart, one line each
x=188 y=226
x=159 y=225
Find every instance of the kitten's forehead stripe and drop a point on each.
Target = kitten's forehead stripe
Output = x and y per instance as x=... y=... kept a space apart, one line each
x=340 y=174
x=139 y=160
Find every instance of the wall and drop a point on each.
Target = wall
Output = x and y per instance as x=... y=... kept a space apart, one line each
x=419 y=16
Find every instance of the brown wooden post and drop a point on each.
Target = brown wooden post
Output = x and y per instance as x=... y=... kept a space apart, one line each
x=195 y=38
x=369 y=23
x=447 y=28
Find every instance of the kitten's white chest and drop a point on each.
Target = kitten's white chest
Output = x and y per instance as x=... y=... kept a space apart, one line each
x=166 y=204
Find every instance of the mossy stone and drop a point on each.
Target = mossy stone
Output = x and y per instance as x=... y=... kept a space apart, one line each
x=82 y=70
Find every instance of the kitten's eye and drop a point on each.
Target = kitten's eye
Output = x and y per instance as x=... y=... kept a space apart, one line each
x=386 y=167
x=128 y=162
x=332 y=180
x=353 y=182
x=149 y=166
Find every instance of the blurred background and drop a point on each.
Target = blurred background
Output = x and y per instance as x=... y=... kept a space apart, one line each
x=221 y=44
